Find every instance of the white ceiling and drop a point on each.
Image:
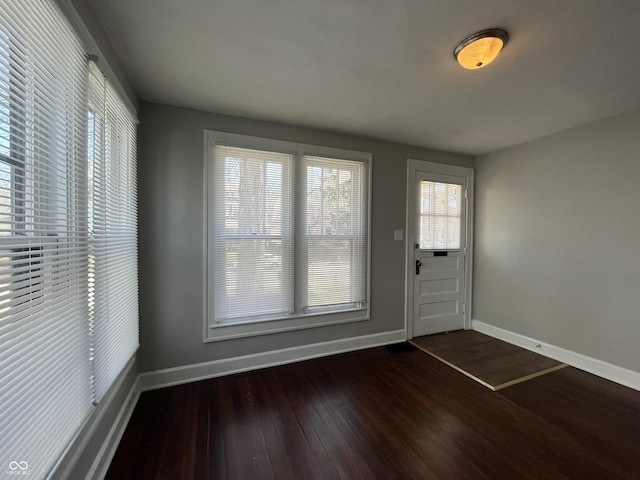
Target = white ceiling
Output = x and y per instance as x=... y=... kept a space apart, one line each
x=384 y=68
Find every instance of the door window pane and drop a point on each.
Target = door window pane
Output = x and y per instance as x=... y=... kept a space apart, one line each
x=440 y=211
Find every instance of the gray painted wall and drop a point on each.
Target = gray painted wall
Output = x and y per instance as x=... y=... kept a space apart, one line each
x=170 y=156
x=95 y=30
x=557 y=238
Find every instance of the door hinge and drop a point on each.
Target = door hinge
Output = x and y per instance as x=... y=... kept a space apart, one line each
x=465 y=193
x=464 y=309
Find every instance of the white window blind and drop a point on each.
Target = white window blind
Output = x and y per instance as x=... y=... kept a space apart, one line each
x=254 y=234
x=440 y=212
x=287 y=235
x=335 y=240
x=44 y=372
x=112 y=226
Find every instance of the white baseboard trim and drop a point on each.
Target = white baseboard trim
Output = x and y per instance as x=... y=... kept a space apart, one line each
x=617 y=374
x=201 y=371
x=108 y=449
x=217 y=368
x=77 y=462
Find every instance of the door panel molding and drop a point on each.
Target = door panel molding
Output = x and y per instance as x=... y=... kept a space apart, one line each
x=436 y=172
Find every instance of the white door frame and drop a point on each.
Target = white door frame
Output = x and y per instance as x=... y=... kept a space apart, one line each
x=414 y=166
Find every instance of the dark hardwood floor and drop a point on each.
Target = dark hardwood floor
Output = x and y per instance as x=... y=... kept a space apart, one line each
x=382 y=413
x=490 y=361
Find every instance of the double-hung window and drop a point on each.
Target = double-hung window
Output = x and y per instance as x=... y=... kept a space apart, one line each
x=44 y=389
x=68 y=237
x=112 y=233
x=287 y=242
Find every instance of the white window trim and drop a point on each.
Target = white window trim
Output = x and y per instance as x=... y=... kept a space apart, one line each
x=215 y=332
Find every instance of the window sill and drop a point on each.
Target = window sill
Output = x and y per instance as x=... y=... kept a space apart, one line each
x=220 y=332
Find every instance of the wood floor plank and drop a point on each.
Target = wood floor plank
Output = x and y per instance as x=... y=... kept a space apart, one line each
x=355 y=403
x=356 y=460
x=605 y=425
x=378 y=414
x=492 y=362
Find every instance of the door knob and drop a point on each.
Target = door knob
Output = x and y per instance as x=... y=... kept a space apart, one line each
x=418 y=265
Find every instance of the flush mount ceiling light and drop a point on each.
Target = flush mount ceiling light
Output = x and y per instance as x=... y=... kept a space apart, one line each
x=480 y=49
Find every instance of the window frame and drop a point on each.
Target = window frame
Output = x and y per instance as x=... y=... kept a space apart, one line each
x=304 y=240
x=286 y=236
x=214 y=331
x=112 y=243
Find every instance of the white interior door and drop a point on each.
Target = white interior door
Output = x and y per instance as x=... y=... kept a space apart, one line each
x=439 y=286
